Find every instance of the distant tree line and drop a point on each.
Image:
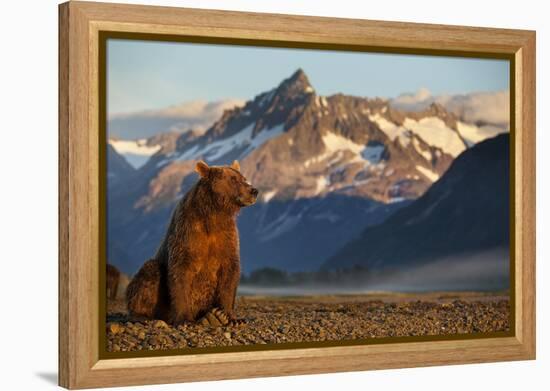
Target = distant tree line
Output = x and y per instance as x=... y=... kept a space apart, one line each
x=273 y=277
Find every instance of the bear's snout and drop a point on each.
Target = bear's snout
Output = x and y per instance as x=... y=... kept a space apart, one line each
x=248 y=196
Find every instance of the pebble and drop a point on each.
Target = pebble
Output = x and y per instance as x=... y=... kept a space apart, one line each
x=160 y=324
x=297 y=320
x=115 y=328
x=282 y=329
x=153 y=341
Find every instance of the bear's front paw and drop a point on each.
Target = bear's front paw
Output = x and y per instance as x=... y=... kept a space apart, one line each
x=215 y=318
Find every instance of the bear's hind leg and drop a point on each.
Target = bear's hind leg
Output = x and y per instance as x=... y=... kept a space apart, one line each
x=142 y=294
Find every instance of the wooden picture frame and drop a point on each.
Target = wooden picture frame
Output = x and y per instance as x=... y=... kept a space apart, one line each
x=80 y=26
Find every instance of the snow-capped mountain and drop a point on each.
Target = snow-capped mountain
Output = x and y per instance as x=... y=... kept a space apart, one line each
x=465 y=213
x=338 y=144
x=490 y=110
x=137 y=152
x=301 y=150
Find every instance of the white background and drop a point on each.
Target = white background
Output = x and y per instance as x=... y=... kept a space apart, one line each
x=28 y=194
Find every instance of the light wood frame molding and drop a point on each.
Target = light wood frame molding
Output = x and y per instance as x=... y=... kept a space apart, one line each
x=80 y=365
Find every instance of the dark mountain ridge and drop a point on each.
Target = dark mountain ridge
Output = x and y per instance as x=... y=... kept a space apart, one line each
x=466 y=211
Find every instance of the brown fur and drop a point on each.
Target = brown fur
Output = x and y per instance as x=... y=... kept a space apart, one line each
x=147 y=294
x=113 y=279
x=197 y=266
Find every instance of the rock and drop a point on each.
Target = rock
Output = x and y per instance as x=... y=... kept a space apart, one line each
x=160 y=324
x=153 y=341
x=114 y=328
x=193 y=341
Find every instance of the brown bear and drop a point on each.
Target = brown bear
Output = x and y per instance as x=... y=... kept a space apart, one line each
x=196 y=270
x=113 y=279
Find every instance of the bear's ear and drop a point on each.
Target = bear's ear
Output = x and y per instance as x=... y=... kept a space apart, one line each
x=202 y=168
x=236 y=166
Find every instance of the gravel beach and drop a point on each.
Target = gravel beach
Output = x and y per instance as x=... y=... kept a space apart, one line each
x=319 y=318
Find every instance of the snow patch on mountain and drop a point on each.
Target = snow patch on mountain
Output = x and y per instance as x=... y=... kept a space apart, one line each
x=264 y=136
x=241 y=139
x=395 y=200
x=432 y=176
x=321 y=184
x=268 y=195
x=219 y=148
x=425 y=153
x=434 y=131
x=473 y=134
x=136 y=152
x=392 y=130
x=190 y=153
x=335 y=147
x=335 y=142
x=405 y=138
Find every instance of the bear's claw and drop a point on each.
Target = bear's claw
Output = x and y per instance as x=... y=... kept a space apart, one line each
x=237 y=322
x=216 y=317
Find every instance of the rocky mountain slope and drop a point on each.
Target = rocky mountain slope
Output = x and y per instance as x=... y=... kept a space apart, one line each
x=326 y=167
x=294 y=144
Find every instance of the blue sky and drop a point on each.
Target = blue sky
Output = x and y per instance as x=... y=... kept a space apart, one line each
x=151 y=75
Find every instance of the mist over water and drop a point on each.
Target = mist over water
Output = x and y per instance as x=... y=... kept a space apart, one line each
x=485 y=271
x=482 y=271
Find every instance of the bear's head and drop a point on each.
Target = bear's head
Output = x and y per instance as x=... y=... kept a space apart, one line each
x=228 y=184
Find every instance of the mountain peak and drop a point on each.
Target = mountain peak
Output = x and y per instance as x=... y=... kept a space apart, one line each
x=297 y=84
x=299 y=74
x=437 y=108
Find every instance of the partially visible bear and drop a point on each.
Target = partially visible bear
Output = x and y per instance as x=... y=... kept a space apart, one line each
x=113 y=279
x=196 y=270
